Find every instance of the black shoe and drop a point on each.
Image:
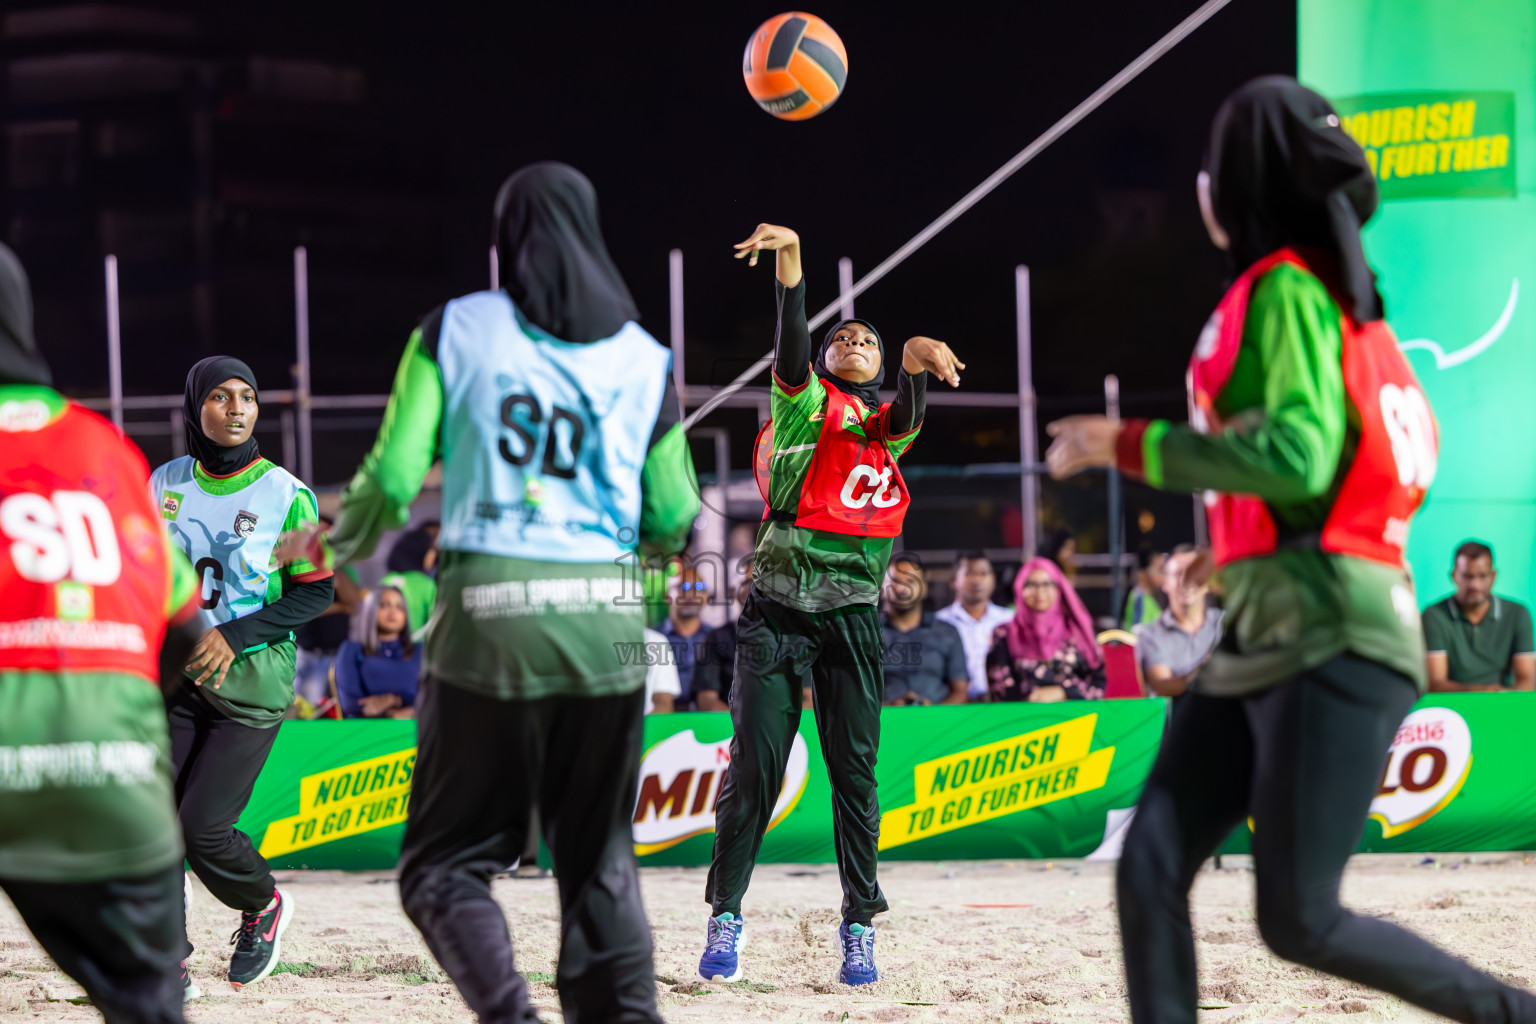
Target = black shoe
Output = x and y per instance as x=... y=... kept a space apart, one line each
x=256 y=941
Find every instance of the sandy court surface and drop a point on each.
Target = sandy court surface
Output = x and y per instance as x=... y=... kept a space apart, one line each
x=1047 y=950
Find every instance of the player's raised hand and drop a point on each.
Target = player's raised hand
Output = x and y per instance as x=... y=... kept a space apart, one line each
x=1082 y=442
x=934 y=356
x=307 y=543
x=767 y=236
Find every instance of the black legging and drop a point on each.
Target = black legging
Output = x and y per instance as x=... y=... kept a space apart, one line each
x=482 y=764
x=1303 y=759
x=216 y=760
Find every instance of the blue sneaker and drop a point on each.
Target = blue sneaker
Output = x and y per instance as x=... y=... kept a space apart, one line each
x=858 y=942
x=722 y=949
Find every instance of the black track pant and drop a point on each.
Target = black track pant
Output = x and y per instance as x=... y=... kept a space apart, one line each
x=216 y=760
x=1304 y=759
x=481 y=764
x=776 y=649
x=120 y=939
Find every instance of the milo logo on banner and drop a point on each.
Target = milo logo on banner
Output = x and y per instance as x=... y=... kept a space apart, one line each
x=1004 y=777
x=1427 y=765
x=680 y=780
x=1424 y=145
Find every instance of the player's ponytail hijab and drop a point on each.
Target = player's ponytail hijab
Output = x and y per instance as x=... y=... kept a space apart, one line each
x=1283 y=173
x=551 y=255
x=20 y=362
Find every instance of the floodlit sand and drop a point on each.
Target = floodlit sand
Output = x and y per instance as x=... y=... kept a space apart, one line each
x=1056 y=958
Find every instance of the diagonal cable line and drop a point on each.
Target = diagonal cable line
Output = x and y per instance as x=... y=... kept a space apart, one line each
x=1148 y=57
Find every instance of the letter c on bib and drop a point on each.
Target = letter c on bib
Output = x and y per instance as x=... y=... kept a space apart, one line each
x=864 y=474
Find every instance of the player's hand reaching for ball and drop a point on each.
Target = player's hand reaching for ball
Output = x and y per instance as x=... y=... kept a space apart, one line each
x=934 y=356
x=1082 y=442
x=780 y=239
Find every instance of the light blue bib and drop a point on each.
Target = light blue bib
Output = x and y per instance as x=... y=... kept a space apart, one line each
x=228 y=538
x=543 y=441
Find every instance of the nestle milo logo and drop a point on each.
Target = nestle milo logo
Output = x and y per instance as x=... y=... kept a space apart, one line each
x=680 y=780
x=1427 y=764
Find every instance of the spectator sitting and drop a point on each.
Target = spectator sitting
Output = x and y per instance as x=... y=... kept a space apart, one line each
x=685 y=630
x=1048 y=651
x=924 y=658
x=1171 y=649
x=661 y=685
x=411 y=568
x=1061 y=548
x=1147 y=599
x=377 y=677
x=974 y=615
x=1475 y=640
x=716 y=668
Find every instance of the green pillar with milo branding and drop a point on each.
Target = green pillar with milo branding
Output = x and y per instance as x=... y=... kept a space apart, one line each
x=1442 y=96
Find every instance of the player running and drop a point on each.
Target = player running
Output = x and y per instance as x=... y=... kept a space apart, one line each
x=557 y=423
x=835 y=501
x=1316 y=445
x=89 y=850
x=225 y=507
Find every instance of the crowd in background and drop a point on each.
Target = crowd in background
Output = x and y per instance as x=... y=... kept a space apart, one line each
x=362 y=659
x=1044 y=646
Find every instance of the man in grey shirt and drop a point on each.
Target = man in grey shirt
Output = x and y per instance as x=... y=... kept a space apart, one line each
x=1171 y=649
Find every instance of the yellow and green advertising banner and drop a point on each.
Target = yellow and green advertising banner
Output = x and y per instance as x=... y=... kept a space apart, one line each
x=1442 y=95
x=984 y=781
x=1456 y=779
x=1435 y=144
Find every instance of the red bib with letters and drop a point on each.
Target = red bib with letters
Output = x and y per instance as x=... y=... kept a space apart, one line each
x=1394 y=462
x=83 y=558
x=853 y=485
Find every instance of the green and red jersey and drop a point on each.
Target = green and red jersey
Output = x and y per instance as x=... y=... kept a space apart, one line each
x=1285 y=430
x=810 y=569
x=88 y=582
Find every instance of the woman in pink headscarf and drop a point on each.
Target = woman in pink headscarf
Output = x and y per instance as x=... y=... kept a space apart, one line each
x=1048 y=651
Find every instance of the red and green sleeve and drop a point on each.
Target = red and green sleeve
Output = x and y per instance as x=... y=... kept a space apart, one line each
x=1284 y=408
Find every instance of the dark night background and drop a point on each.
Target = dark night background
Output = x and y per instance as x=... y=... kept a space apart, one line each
x=202 y=142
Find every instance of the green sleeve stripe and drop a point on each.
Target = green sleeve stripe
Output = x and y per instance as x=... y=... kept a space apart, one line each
x=380 y=494
x=183 y=578
x=669 y=500
x=1152 y=452
x=302 y=510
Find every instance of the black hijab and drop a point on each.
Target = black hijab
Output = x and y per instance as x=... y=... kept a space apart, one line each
x=552 y=257
x=20 y=362
x=204 y=376
x=1284 y=173
x=867 y=392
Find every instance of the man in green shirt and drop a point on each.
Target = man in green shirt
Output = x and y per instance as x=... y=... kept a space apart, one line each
x=1475 y=641
x=835 y=502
